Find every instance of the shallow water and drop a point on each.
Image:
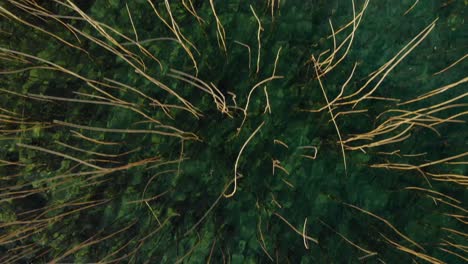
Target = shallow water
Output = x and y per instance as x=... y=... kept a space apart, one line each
x=102 y=172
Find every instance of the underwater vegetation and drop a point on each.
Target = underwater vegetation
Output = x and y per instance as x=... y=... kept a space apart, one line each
x=233 y=131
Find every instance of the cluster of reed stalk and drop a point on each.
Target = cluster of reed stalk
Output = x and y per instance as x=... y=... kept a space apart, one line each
x=156 y=108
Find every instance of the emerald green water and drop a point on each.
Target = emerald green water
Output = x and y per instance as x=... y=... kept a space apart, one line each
x=160 y=199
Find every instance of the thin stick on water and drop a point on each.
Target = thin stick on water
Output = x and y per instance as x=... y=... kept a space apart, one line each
x=248 y=49
x=260 y=29
x=61 y=155
x=237 y=160
x=332 y=118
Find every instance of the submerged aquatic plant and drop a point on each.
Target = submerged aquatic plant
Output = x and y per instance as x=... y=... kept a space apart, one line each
x=223 y=131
